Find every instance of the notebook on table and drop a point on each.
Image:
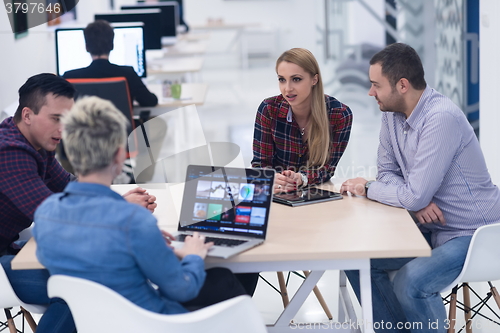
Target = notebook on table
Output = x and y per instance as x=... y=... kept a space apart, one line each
x=306 y=196
x=229 y=206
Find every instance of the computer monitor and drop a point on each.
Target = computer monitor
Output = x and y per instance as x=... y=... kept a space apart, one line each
x=169 y=20
x=181 y=13
x=128 y=48
x=151 y=19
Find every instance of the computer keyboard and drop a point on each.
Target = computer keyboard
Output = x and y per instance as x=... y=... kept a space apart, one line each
x=217 y=241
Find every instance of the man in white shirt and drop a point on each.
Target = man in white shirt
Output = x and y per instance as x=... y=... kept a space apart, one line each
x=430 y=163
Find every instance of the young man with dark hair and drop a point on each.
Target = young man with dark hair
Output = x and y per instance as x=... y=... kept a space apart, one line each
x=29 y=174
x=430 y=163
x=99 y=37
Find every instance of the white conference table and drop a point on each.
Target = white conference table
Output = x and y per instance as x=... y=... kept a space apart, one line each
x=336 y=235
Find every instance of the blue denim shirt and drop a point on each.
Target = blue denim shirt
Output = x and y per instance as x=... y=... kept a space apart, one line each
x=91 y=232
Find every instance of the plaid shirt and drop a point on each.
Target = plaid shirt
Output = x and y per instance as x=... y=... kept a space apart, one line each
x=278 y=143
x=28 y=177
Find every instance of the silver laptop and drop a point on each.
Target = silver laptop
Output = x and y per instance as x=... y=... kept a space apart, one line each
x=229 y=206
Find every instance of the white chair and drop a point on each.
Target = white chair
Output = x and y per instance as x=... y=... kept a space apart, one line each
x=482 y=264
x=9 y=299
x=98 y=309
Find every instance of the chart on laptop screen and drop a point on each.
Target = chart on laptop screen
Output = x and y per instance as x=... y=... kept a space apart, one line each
x=228 y=200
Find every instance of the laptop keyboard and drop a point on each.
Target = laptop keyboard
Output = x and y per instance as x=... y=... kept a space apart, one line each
x=217 y=241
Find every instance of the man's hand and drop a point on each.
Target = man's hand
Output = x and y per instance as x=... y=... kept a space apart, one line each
x=430 y=214
x=140 y=197
x=287 y=181
x=355 y=186
x=194 y=245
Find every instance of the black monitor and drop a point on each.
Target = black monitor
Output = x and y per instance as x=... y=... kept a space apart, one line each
x=128 y=48
x=151 y=19
x=181 y=12
x=169 y=21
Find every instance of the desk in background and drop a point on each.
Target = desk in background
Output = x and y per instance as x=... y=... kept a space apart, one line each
x=185 y=48
x=188 y=66
x=193 y=37
x=191 y=93
x=335 y=235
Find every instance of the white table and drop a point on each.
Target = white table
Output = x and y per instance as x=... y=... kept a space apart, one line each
x=336 y=235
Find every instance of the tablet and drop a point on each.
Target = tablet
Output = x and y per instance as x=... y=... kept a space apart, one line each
x=306 y=196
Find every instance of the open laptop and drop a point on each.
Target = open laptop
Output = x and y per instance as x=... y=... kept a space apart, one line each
x=229 y=206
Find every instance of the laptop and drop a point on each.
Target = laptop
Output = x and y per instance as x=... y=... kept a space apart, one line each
x=229 y=206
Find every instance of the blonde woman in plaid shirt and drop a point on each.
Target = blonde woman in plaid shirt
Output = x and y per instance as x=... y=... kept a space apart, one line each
x=301 y=133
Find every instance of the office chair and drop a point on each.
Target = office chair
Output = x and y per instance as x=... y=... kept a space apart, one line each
x=9 y=299
x=98 y=309
x=481 y=264
x=114 y=89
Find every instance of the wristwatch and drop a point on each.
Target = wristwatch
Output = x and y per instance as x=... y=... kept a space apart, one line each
x=367 y=186
x=304 y=179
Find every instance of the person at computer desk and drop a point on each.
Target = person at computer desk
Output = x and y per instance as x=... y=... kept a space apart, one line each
x=90 y=231
x=430 y=163
x=301 y=133
x=99 y=43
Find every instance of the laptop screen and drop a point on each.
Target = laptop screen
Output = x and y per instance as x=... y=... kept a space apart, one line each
x=233 y=201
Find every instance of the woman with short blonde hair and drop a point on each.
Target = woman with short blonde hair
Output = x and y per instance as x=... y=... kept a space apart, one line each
x=90 y=231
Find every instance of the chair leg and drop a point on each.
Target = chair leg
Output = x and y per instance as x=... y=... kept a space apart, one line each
x=453 y=310
x=283 y=289
x=320 y=298
x=495 y=294
x=10 y=321
x=29 y=319
x=467 y=308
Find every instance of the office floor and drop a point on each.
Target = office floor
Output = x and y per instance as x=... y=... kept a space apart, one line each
x=228 y=116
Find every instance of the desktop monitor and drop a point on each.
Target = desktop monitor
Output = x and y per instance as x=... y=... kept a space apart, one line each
x=151 y=19
x=181 y=14
x=169 y=21
x=128 y=48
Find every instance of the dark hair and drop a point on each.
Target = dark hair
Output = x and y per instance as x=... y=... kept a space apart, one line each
x=32 y=94
x=99 y=37
x=399 y=61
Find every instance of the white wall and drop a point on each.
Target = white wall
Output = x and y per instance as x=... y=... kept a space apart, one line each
x=33 y=54
x=295 y=19
x=490 y=85
x=20 y=59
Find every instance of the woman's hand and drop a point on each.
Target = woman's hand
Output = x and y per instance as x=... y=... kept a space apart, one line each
x=287 y=181
x=194 y=245
x=168 y=238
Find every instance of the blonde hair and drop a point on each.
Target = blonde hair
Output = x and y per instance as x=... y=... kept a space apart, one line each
x=93 y=131
x=319 y=127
